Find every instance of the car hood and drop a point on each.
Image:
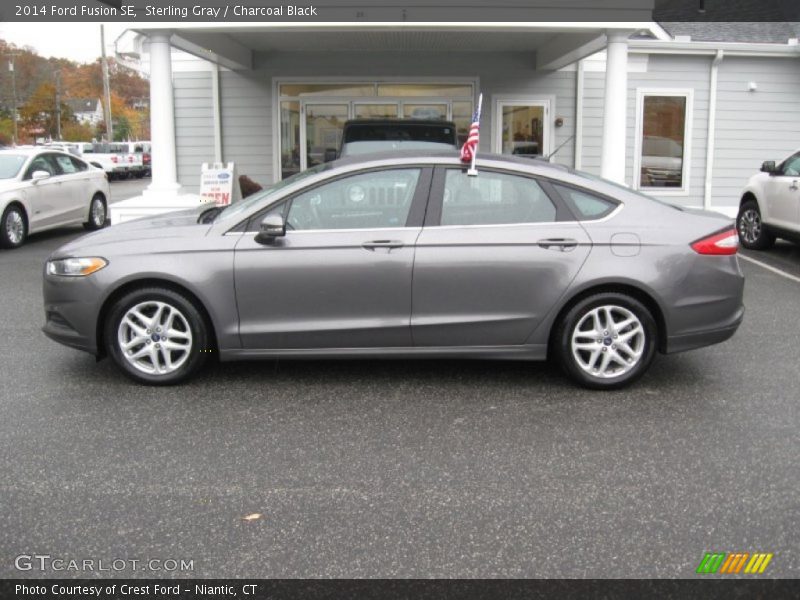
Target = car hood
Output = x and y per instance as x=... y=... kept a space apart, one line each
x=151 y=231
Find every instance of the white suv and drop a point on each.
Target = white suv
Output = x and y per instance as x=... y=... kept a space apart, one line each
x=770 y=205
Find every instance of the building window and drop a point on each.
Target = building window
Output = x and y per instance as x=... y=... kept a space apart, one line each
x=312 y=115
x=663 y=140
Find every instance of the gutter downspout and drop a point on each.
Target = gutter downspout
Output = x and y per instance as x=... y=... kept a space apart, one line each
x=712 y=119
x=217 y=115
x=579 y=77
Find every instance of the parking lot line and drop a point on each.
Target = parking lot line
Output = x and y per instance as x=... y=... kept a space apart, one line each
x=771 y=268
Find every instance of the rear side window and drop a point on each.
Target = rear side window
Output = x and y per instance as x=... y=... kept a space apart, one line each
x=66 y=164
x=585 y=205
x=494 y=199
x=78 y=164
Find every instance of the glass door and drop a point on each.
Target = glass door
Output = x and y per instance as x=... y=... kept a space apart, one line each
x=523 y=128
x=322 y=124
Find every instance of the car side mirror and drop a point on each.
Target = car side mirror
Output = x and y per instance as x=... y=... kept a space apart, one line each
x=39 y=175
x=768 y=166
x=273 y=226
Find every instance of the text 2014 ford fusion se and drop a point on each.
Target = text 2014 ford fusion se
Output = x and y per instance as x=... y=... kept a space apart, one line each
x=405 y=256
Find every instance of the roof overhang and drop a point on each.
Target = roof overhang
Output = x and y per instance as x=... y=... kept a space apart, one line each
x=552 y=45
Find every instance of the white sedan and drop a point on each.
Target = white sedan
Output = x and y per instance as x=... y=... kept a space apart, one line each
x=770 y=205
x=42 y=188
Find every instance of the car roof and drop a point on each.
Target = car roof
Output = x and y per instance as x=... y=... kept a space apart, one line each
x=443 y=157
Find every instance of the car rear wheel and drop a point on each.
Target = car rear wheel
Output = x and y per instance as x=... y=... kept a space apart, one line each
x=752 y=233
x=98 y=213
x=14 y=228
x=606 y=341
x=156 y=336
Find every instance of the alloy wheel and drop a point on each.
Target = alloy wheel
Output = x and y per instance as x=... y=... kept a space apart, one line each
x=15 y=227
x=608 y=341
x=98 y=212
x=154 y=337
x=750 y=225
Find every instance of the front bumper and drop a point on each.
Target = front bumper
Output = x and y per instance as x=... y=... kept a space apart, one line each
x=71 y=307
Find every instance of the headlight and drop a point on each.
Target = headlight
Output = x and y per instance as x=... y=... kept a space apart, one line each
x=76 y=267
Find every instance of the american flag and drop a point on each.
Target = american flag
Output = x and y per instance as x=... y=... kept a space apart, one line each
x=471 y=145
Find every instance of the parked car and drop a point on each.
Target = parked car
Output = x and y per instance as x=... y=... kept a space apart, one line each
x=41 y=189
x=662 y=162
x=368 y=136
x=770 y=205
x=405 y=256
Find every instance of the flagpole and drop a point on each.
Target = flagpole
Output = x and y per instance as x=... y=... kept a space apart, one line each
x=472 y=171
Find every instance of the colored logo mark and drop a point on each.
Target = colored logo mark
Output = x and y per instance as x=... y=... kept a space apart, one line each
x=733 y=562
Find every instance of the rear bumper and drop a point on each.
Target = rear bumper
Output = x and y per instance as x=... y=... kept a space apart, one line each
x=706 y=337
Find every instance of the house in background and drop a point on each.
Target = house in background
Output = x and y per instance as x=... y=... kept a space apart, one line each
x=86 y=110
x=685 y=112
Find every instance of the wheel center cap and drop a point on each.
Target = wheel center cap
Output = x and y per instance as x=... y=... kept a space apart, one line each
x=607 y=341
x=155 y=337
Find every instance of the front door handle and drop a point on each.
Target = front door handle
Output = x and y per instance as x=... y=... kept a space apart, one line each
x=561 y=244
x=794 y=185
x=388 y=244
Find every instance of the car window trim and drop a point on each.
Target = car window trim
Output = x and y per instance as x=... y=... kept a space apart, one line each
x=414 y=220
x=436 y=201
x=579 y=217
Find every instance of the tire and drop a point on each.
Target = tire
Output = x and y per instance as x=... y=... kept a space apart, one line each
x=752 y=233
x=13 y=227
x=98 y=213
x=140 y=319
x=587 y=346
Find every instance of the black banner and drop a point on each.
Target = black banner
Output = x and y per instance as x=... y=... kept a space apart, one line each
x=435 y=11
x=384 y=589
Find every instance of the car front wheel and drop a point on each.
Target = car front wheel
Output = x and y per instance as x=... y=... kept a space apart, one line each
x=606 y=341
x=14 y=227
x=98 y=212
x=156 y=336
x=752 y=233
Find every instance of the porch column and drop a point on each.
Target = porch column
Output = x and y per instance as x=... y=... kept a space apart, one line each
x=612 y=164
x=162 y=119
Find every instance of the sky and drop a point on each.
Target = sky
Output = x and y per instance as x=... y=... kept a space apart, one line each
x=76 y=41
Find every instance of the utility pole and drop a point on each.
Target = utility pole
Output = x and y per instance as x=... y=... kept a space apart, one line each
x=106 y=86
x=13 y=96
x=58 y=104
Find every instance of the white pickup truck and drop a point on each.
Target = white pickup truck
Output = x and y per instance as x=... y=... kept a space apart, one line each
x=120 y=159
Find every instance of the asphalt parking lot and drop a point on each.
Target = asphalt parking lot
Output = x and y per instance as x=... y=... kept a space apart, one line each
x=402 y=469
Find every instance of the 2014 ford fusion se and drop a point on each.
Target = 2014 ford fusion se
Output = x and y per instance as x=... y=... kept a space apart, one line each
x=405 y=256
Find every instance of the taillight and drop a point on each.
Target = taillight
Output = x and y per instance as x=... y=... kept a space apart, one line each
x=114 y=159
x=146 y=158
x=720 y=243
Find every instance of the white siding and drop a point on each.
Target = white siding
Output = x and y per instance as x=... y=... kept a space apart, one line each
x=753 y=126
x=194 y=125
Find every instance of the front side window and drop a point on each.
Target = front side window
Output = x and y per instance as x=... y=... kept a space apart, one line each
x=374 y=200
x=494 y=199
x=40 y=163
x=663 y=143
x=792 y=165
x=79 y=165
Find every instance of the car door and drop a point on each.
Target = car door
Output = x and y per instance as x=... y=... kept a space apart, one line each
x=43 y=194
x=783 y=195
x=75 y=188
x=496 y=253
x=341 y=276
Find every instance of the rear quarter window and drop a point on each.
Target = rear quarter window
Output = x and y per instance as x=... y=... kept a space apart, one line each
x=585 y=205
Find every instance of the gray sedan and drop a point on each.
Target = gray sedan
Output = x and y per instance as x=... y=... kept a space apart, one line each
x=405 y=256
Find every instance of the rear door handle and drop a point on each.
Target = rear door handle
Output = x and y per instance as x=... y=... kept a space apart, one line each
x=388 y=244
x=561 y=244
x=794 y=185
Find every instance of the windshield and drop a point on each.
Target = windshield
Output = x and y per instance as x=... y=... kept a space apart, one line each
x=262 y=196
x=10 y=165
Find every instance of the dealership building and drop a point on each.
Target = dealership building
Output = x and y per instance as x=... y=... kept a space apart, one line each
x=683 y=111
